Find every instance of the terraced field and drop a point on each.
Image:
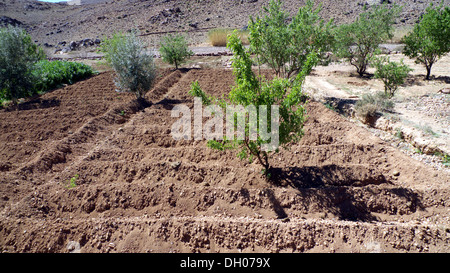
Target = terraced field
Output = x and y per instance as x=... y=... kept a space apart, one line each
x=340 y=189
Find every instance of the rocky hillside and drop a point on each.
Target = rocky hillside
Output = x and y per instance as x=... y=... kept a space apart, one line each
x=53 y=23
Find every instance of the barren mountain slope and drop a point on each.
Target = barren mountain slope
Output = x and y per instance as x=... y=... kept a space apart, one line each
x=53 y=23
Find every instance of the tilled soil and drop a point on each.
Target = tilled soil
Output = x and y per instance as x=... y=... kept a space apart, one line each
x=340 y=189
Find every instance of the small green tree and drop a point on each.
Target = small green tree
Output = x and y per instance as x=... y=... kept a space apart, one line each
x=392 y=74
x=132 y=63
x=18 y=54
x=358 y=42
x=251 y=90
x=285 y=45
x=430 y=38
x=174 y=49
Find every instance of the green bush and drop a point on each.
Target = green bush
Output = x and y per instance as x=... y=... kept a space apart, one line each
x=132 y=63
x=285 y=44
x=251 y=90
x=52 y=74
x=174 y=49
x=371 y=105
x=392 y=74
x=430 y=38
x=358 y=42
x=109 y=46
x=18 y=54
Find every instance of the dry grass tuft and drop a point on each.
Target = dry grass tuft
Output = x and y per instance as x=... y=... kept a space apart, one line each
x=218 y=36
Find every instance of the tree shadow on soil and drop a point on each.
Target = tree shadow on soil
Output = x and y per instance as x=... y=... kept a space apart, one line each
x=331 y=189
x=35 y=104
x=419 y=80
x=168 y=104
x=277 y=207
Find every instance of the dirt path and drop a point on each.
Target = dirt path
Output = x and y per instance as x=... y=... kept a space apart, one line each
x=320 y=89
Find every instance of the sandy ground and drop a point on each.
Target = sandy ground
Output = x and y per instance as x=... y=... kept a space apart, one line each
x=420 y=110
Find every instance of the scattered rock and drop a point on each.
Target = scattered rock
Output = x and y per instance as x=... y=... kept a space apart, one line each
x=5 y=21
x=377 y=2
x=5 y=166
x=73 y=247
x=36 y=5
x=444 y=91
x=64 y=47
x=73 y=45
x=175 y=164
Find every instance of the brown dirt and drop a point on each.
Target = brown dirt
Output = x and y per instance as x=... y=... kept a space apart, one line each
x=340 y=189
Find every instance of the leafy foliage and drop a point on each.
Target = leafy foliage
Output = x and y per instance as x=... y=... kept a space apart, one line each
x=430 y=38
x=133 y=65
x=18 y=54
x=358 y=42
x=285 y=46
x=53 y=74
x=109 y=45
x=392 y=74
x=72 y=182
x=174 y=49
x=253 y=90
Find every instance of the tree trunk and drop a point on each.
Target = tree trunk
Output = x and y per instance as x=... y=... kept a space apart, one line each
x=428 y=72
x=361 y=70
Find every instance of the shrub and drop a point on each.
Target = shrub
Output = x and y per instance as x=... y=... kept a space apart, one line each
x=133 y=65
x=392 y=74
x=430 y=38
x=174 y=49
x=218 y=36
x=358 y=42
x=370 y=105
x=285 y=46
x=53 y=74
x=18 y=54
x=251 y=90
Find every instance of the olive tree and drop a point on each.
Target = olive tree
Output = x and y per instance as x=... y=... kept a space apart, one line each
x=132 y=63
x=18 y=55
x=174 y=49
